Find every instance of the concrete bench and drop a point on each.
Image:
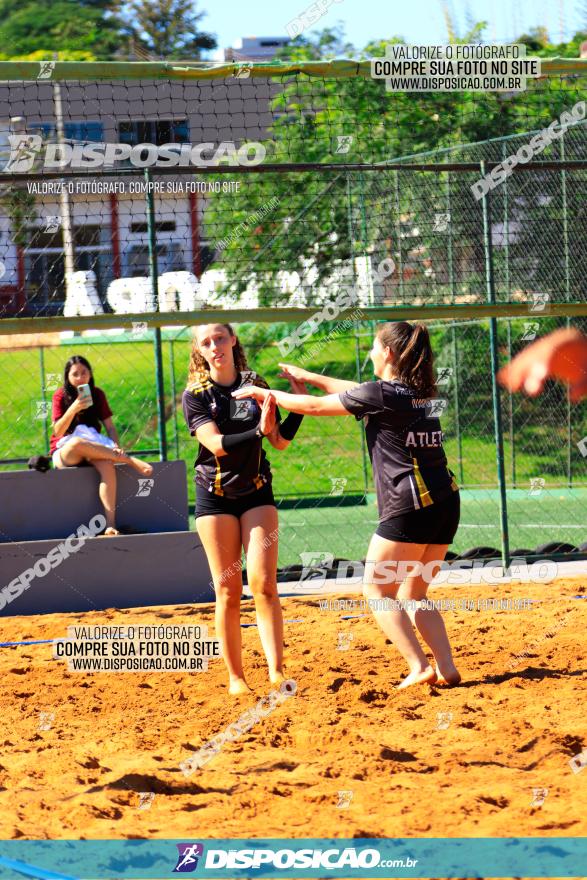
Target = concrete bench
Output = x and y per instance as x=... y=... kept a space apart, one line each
x=35 y=506
x=129 y=571
x=165 y=566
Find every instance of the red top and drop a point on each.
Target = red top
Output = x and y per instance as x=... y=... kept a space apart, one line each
x=93 y=416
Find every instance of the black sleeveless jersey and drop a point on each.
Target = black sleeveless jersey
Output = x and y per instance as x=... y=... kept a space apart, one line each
x=244 y=469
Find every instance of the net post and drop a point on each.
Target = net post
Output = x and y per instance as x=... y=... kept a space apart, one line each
x=567 y=298
x=158 y=352
x=66 y=211
x=493 y=342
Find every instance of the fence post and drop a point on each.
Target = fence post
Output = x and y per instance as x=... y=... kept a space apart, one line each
x=154 y=273
x=44 y=396
x=398 y=227
x=363 y=444
x=493 y=342
x=511 y=409
x=506 y=239
x=452 y=283
x=174 y=410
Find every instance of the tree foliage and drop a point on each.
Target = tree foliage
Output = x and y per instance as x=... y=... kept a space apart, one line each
x=168 y=28
x=68 y=26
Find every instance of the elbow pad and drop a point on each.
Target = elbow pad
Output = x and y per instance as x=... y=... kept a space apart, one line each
x=289 y=427
x=230 y=441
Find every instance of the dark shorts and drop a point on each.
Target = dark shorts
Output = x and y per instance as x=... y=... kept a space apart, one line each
x=436 y=524
x=208 y=504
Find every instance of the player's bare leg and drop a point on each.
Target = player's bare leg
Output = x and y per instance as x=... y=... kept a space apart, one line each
x=394 y=621
x=259 y=532
x=221 y=538
x=428 y=621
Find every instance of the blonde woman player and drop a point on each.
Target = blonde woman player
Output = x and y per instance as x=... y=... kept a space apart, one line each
x=235 y=508
x=417 y=496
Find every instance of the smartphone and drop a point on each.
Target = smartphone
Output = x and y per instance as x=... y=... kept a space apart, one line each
x=84 y=393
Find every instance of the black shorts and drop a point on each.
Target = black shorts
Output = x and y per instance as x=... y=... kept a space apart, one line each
x=436 y=524
x=208 y=504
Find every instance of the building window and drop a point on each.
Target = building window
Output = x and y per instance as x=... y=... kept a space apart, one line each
x=169 y=259
x=45 y=269
x=80 y=132
x=153 y=131
x=160 y=226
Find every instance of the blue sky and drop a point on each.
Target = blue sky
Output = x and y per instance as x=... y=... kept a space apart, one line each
x=418 y=21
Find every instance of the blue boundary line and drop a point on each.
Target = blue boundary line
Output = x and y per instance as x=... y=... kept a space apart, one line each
x=37 y=642
x=32 y=871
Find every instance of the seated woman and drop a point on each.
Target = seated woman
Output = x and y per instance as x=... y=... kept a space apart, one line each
x=68 y=449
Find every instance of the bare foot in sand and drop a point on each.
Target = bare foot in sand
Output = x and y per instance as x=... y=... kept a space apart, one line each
x=276 y=677
x=420 y=676
x=238 y=687
x=449 y=676
x=143 y=467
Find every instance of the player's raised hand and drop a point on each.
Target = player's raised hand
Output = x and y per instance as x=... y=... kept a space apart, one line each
x=291 y=371
x=251 y=391
x=561 y=355
x=267 y=422
x=296 y=376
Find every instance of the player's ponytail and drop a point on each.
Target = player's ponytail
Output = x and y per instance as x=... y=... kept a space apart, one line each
x=198 y=366
x=413 y=361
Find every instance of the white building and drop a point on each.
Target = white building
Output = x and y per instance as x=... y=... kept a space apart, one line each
x=255 y=48
x=110 y=231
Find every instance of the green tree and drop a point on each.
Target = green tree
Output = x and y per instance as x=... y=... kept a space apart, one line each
x=168 y=28
x=325 y=218
x=86 y=26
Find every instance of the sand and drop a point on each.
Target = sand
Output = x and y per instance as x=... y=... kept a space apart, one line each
x=408 y=773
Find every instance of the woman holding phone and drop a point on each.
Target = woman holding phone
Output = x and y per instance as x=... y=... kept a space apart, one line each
x=78 y=412
x=417 y=496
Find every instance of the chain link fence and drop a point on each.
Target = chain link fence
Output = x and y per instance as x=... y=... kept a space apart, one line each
x=323 y=481
x=258 y=188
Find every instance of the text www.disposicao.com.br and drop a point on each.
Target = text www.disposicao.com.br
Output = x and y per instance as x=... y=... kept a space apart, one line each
x=134 y=664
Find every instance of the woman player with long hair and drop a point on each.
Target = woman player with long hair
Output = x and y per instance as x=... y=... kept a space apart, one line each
x=235 y=508
x=417 y=496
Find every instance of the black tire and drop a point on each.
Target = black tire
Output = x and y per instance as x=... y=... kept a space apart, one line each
x=481 y=553
x=289 y=573
x=555 y=547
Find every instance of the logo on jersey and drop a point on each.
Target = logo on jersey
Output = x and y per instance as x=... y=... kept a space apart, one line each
x=241 y=410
